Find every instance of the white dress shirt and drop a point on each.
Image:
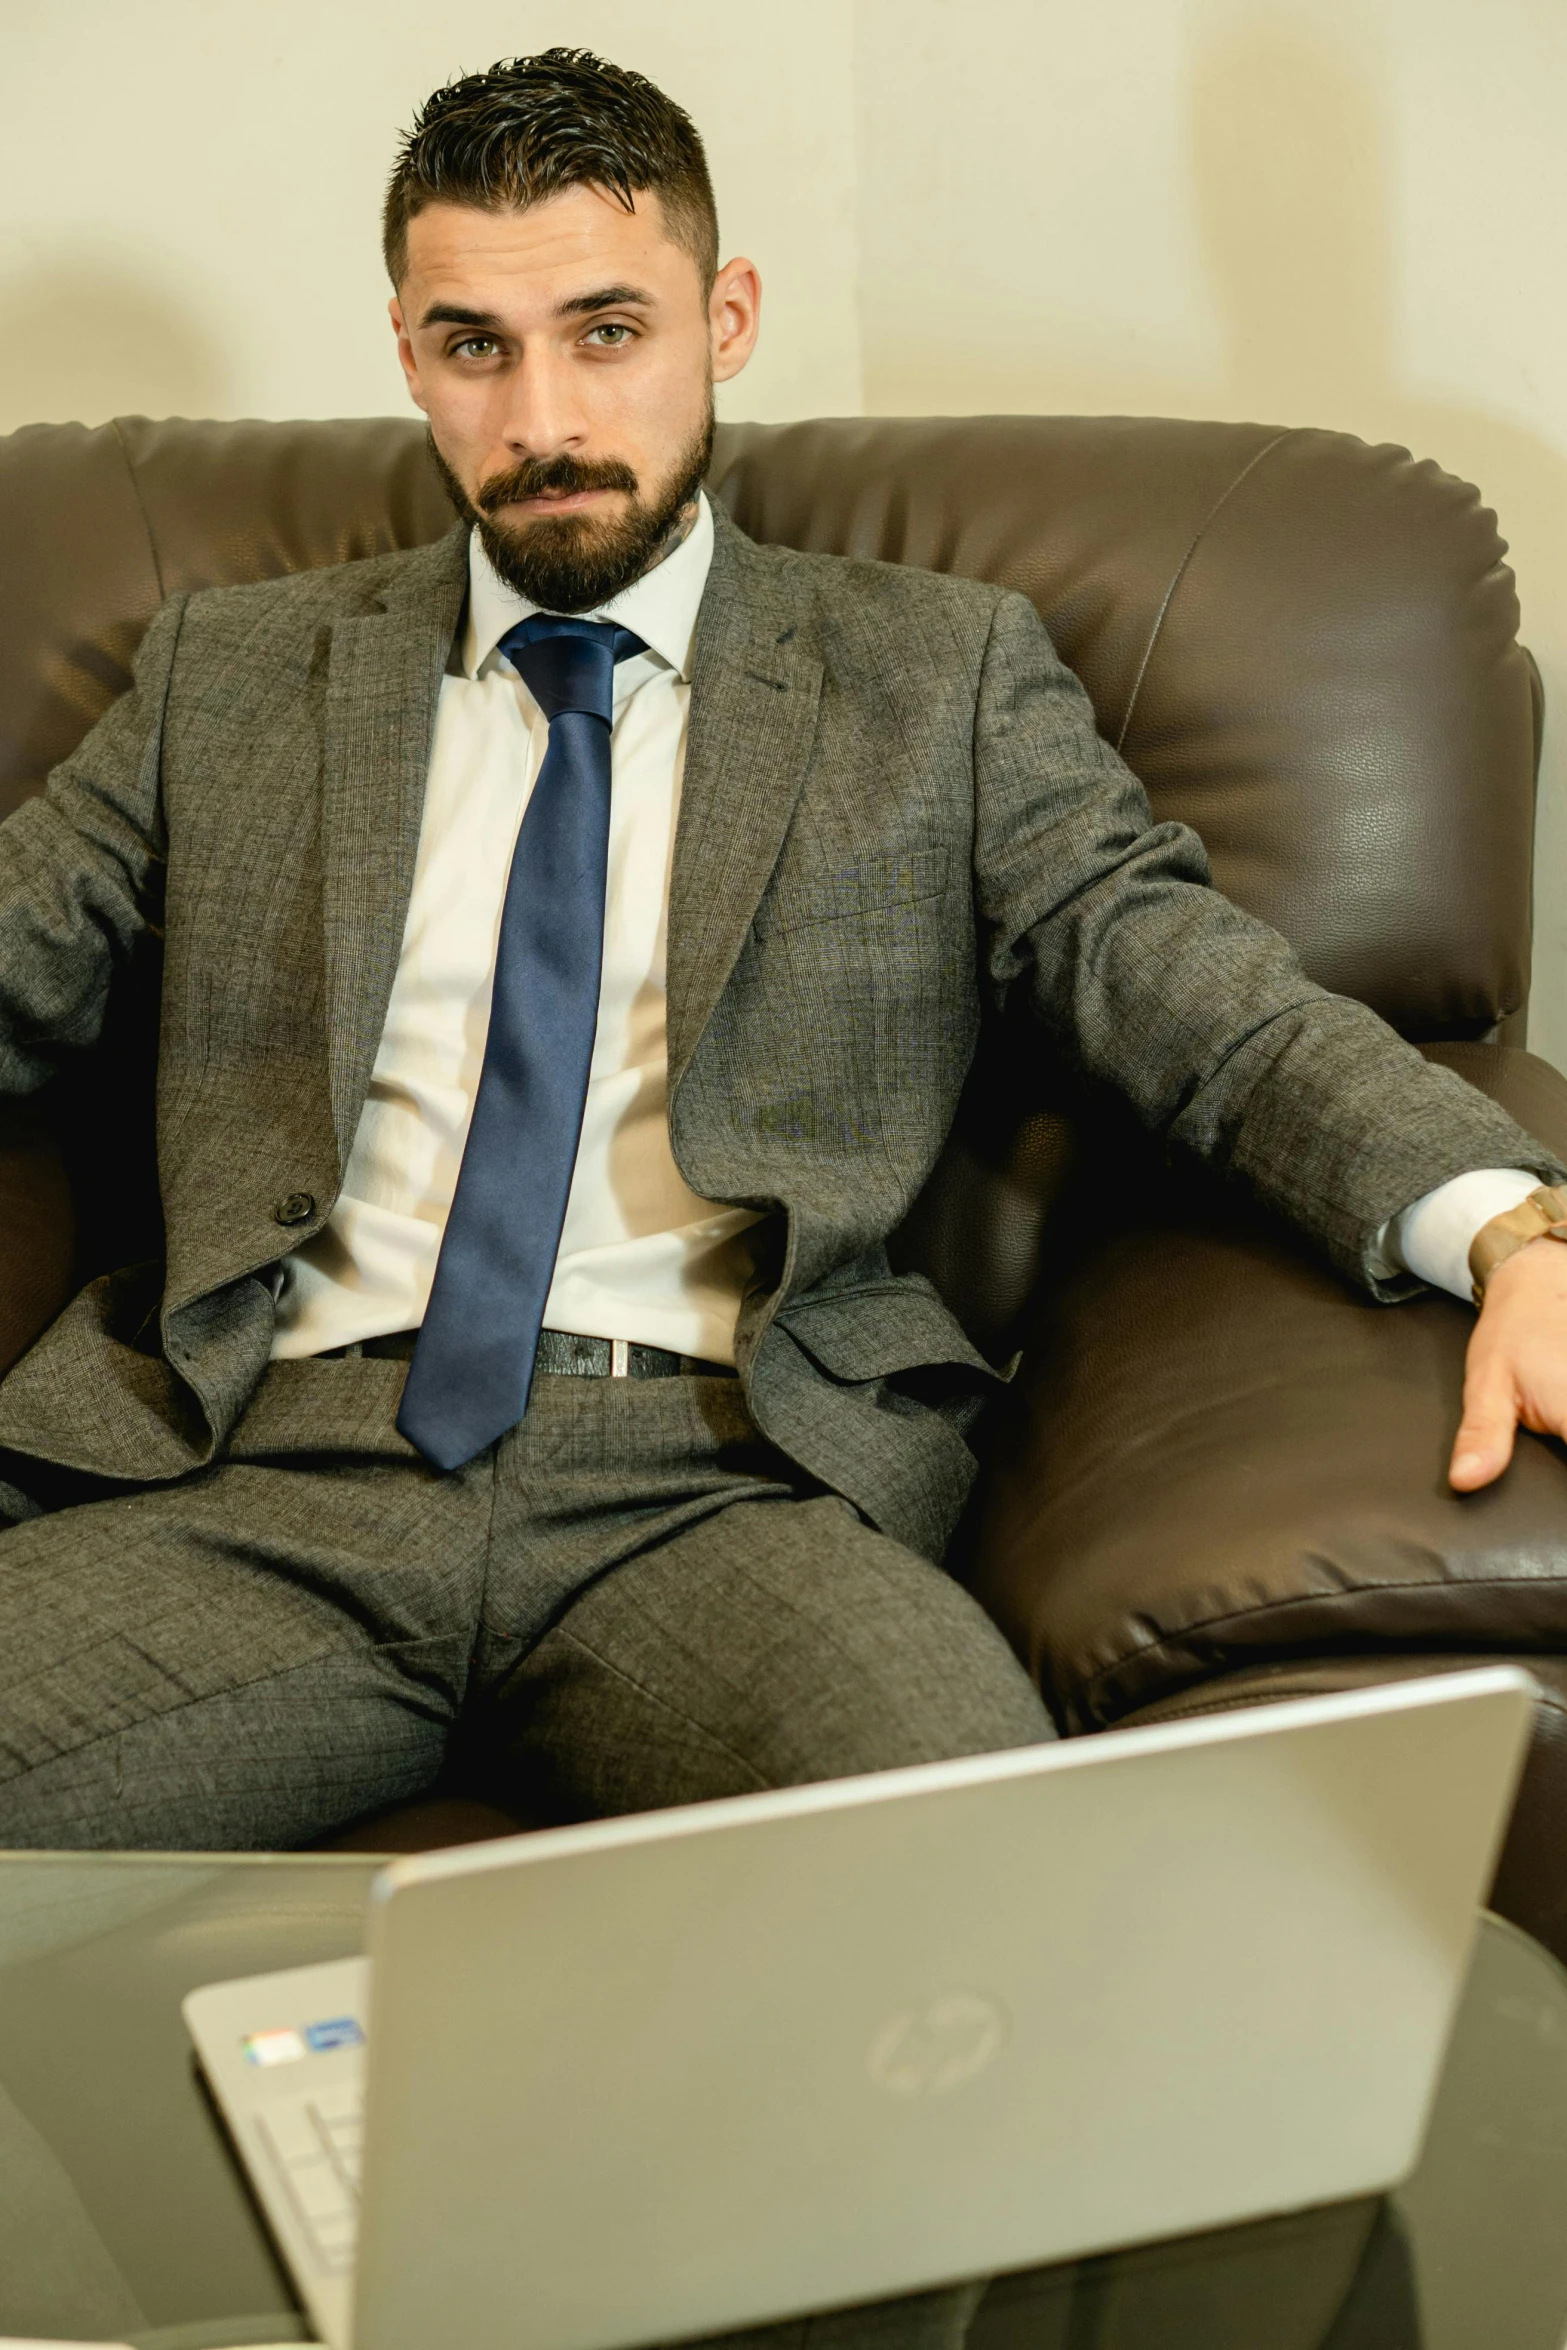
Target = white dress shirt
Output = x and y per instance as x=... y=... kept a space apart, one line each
x=641 y=1257
x=1432 y=1238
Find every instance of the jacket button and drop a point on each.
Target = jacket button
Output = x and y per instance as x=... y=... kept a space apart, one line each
x=295 y=1207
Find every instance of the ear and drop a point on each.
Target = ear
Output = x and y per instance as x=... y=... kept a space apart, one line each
x=734 y=317
x=405 y=351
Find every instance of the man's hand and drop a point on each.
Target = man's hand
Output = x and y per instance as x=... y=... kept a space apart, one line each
x=1517 y=1365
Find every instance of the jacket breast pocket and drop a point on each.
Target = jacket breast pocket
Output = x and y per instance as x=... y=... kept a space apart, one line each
x=873 y=885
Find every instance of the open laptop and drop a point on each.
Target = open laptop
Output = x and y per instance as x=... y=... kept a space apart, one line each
x=704 y=2068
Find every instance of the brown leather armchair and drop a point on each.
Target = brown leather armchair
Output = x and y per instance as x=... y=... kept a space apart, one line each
x=1218 y=1476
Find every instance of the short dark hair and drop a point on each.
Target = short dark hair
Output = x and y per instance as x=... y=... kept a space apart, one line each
x=533 y=126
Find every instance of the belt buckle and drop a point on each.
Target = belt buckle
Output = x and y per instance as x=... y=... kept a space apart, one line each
x=620 y=1358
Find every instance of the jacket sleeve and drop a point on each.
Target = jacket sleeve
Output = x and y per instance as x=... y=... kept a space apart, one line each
x=82 y=873
x=1148 y=980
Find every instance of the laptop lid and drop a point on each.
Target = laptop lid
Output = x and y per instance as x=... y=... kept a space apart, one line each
x=705 y=2068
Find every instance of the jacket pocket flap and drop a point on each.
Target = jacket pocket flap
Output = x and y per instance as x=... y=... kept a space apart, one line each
x=871 y=1332
x=879 y=885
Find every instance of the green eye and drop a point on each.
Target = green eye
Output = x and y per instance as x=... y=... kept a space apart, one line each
x=615 y=335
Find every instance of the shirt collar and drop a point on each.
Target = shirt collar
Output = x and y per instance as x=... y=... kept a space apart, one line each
x=661 y=606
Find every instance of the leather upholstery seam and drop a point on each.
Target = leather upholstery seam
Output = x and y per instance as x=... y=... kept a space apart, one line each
x=141 y=507
x=1176 y=1710
x=1289 y=432
x=1173 y=1639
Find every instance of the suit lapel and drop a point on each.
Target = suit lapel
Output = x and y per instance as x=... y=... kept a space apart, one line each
x=383 y=683
x=755 y=690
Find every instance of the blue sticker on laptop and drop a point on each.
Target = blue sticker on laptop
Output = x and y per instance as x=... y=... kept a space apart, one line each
x=342 y=2032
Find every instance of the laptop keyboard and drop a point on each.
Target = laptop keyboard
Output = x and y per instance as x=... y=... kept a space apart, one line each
x=317 y=2143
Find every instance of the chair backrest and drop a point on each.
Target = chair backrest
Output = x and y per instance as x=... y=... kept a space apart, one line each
x=1306 y=647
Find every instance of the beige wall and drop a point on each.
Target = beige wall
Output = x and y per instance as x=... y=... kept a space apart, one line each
x=1340 y=212
x=190 y=189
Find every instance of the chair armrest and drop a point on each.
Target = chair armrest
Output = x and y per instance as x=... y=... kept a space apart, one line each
x=1217 y=1456
x=37 y=1232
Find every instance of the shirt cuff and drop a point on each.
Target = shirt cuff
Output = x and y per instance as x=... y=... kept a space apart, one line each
x=1432 y=1238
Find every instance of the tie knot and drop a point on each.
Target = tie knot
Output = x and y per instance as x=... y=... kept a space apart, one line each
x=569 y=664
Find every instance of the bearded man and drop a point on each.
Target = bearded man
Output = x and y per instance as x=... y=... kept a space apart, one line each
x=575 y=936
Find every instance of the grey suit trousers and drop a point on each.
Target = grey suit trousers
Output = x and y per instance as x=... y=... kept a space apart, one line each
x=631 y=1601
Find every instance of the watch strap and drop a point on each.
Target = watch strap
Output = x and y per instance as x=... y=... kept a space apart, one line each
x=1542 y=1216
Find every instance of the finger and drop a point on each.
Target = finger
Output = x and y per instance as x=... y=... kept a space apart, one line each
x=1484 y=1443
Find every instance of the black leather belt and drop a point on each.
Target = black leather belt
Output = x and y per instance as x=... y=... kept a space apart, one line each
x=562 y=1354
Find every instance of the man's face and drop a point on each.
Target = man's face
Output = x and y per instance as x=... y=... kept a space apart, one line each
x=565 y=357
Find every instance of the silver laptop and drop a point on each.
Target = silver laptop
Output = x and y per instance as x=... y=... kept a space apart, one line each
x=704 y=2068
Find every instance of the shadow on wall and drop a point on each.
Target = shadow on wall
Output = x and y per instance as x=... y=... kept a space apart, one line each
x=1288 y=145
x=1290 y=169
x=1290 y=173
x=83 y=342
x=1287 y=158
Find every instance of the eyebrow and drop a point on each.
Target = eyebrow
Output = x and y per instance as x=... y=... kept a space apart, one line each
x=604 y=298
x=453 y=314
x=577 y=306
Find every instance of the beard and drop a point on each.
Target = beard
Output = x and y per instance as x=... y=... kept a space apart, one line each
x=576 y=561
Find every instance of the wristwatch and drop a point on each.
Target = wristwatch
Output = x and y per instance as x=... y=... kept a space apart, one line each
x=1542 y=1216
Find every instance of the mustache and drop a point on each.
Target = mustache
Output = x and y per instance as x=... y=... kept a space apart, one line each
x=538 y=477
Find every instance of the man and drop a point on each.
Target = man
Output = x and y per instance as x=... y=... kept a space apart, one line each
x=574 y=941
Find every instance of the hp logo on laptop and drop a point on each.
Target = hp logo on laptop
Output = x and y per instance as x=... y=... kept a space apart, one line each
x=922 y=2051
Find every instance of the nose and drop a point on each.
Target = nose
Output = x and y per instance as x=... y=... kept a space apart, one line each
x=543 y=416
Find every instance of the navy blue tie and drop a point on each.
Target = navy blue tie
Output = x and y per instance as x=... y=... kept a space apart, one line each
x=468 y=1381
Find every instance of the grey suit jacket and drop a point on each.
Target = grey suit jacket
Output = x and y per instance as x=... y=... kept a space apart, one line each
x=895 y=807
